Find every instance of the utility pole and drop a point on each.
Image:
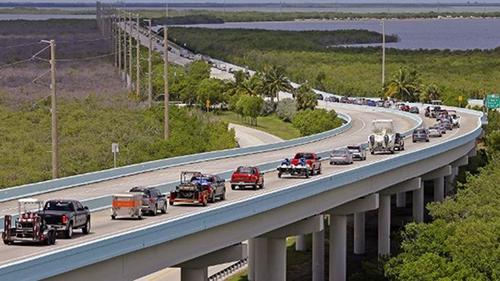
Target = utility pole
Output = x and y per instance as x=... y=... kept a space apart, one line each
x=129 y=85
x=54 y=106
x=165 y=57
x=138 y=56
x=115 y=39
x=119 y=41
x=383 y=53
x=125 y=59
x=150 y=67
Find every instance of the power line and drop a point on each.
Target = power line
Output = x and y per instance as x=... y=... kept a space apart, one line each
x=19 y=45
x=34 y=81
x=88 y=58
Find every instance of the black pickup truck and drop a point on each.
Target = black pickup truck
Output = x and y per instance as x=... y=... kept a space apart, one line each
x=65 y=215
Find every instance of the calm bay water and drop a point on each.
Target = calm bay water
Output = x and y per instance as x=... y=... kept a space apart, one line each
x=453 y=34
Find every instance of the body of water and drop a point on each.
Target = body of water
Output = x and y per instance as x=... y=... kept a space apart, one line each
x=453 y=34
x=42 y=17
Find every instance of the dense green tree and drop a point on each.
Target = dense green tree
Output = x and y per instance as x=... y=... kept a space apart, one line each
x=251 y=107
x=210 y=89
x=431 y=92
x=310 y=122
x=188 y=90
x=199 y=70
x=306 y=97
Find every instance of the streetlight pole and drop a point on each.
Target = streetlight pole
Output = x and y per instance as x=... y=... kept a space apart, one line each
x=165 y=56
x=138 y=56
x=150 y=66
x=383 y=53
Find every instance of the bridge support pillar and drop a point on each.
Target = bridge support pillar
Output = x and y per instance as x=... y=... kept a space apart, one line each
x=300 y=243
x=338 y=241
x=439 y=189
x=418 y=204
x=318 y=256
x=384 y=225
x=338 y=233
x=260 y=271
x=401 y=200
x=359 y=233
x=194 y=274
x=276 y=261
x=251 y=259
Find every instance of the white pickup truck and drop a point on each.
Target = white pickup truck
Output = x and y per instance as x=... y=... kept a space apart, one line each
x=382 y=137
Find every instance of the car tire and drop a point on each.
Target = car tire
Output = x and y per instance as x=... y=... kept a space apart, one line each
x=154 y=211
x=69 y=233
x=113 y=217
x=171 y=203
x=319 y=170
x=279 y=175
x=212 y=198
x=426 y=140
x=403 y=148
x=233 y=187
x=86 y=228
x=372 y=152
x=53 y=237
x=262 y=185
x=164 y=209
x=139 y=217
x=223 y=196
x=307 y=174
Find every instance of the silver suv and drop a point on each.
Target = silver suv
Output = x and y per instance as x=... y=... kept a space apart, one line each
x=152 y=200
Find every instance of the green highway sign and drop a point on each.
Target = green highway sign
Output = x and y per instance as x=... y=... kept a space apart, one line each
x=492 y=101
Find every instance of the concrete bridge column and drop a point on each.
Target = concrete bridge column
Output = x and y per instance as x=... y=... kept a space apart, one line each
x=338 y=233
x=276 y=267
x=359 y=233
x=437 y=176
x=384 y=211
x=384 y=225
x=439 y=189
x=194 y=274
x=338 y=241
x=418 y=204
x=318 y=256
x=251 y=259
x=261 y=259
x=401 y=200
x=275 y=248
x=300 y=243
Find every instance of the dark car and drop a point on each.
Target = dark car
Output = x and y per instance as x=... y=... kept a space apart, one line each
x=399 y=142
x=414 y=109
x=420 y=134
x=371 y=103
x=64 y=215
x=152 y=200
x=215 y=185
x=447 y=124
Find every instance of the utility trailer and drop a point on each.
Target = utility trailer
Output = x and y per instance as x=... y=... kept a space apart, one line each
x=29 y=227
x=189 y=190
x=127 y=204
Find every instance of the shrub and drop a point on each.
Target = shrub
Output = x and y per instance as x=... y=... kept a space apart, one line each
x=268 y=108
x=285 y=109
x=310 y=122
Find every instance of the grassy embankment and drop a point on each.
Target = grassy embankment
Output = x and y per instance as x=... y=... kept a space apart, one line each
x=269 y=124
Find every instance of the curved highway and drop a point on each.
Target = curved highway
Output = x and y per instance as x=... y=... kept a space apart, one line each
x=102 y=226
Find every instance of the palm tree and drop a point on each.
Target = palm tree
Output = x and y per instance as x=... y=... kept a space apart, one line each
x=275 y=80
x=404 y=83
x=431 y=92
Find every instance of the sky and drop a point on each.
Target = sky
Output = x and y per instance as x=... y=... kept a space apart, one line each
x=261 y=1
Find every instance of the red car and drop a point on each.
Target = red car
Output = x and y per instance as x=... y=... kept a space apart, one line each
x=245 y=176
x=405 y=107
x=311 y=159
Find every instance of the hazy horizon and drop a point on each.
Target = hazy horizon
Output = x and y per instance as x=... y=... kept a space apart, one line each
x=440 y=2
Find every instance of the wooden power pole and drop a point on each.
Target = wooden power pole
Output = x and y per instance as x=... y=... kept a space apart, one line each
x=165 y=57
x=54 y=108
x=129 y=84
x=138 y=56
x=125 y=59
x=150 y=67
x=119 y=41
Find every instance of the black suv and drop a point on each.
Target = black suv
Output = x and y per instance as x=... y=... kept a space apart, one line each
x=399 y=142
x=152 y=200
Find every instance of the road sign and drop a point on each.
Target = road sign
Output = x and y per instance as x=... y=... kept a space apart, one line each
x=114 y=147
x=492 y=101
x=460 y=98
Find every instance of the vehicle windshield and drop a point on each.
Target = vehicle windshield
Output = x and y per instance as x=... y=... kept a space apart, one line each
x=202 y=178
x=339 y=151
x=354 y=147
x=244 y=170
x=382 y=127
x=419 y=131
x=305 y=155
x=433 y=128
x=59 y=206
